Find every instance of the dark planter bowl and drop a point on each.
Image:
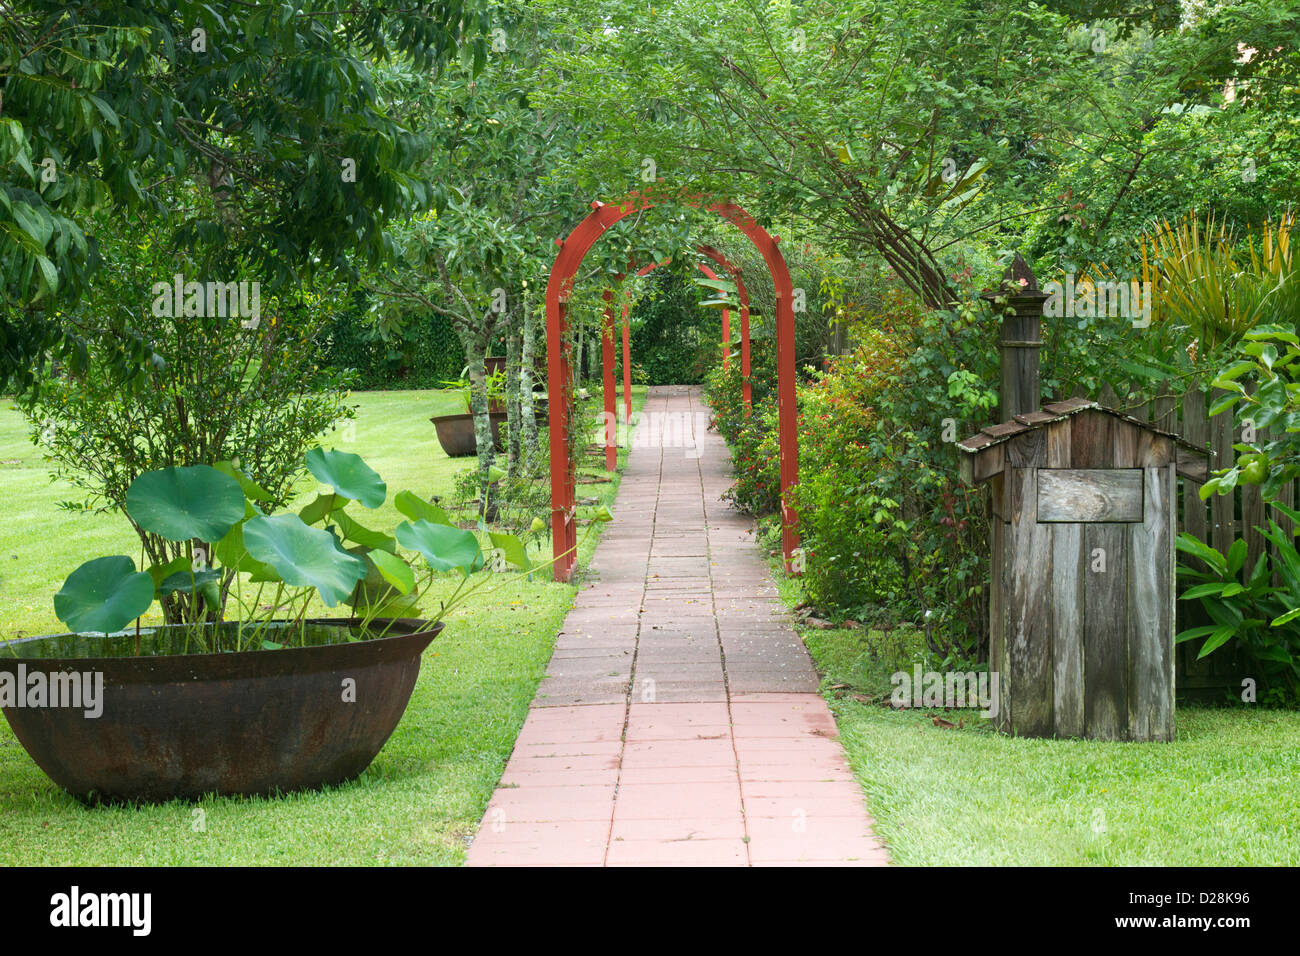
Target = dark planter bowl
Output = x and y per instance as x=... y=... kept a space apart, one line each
x=251 y=722
x=456 y=433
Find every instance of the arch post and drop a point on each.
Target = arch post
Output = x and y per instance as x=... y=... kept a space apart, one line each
x=627 y=367
x=745 y=388
x=726 y=319
x=788 y=413
x=742 y=294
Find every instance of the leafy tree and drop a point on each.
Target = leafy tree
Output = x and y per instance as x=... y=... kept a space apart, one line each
x=904 y=128
x=271 y=106
x=482 y=256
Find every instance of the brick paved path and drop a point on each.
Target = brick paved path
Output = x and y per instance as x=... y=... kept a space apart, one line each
x=678 y=722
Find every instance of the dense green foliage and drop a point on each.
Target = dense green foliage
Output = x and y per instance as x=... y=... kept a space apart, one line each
x=1248 y=609
x=425 y=354
x=272 y=109
x=1256 y=608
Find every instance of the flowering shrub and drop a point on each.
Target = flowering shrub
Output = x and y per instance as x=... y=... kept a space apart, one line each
x=756 y=458
x=887 y=524
x=887 y=527
x=846 y=517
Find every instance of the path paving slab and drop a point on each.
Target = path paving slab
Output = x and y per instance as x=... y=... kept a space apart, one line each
x=678 y=723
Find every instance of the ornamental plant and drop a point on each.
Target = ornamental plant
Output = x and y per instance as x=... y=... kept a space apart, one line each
x=752 y=437
x=221 y=388
x=1258 y=610
x=214 y=514
x=1260 y=616
x=1263 y=385
x=888 y=526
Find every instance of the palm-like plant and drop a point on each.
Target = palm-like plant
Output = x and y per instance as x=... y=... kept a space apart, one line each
x=1280 y=272
x=1203 y=282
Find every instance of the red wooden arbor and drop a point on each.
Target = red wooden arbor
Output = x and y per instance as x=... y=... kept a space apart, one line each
x=560 y=377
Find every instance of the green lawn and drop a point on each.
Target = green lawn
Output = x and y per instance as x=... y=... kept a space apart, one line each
x=424 y=794
x=1227 y=792
x=1224 y=794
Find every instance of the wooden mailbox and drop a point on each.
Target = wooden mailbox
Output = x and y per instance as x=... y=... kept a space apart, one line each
x=1081 y=609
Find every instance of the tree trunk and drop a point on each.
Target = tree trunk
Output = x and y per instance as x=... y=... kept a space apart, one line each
x=478 y=406
x=513 y=417
x=222 y=187
x=526 y=410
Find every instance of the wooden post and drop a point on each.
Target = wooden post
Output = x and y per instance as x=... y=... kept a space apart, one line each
x=1022 y=323
x=1252 y=518
x=1196 y=429
x=1223 y=512
x=746 y=388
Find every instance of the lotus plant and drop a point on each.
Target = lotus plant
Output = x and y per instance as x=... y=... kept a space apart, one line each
x=230 y=544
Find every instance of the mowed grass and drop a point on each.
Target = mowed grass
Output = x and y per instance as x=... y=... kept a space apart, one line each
x=1226 y=792
x=421 y=799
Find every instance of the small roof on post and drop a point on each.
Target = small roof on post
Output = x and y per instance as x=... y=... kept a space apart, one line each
x=983 y=454
x=1018 y=279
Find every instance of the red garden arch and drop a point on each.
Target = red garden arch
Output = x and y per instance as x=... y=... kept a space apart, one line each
x=560 y=377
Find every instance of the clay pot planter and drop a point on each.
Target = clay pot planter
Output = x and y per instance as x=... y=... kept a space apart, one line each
x=456 y=433
x=175 y=725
